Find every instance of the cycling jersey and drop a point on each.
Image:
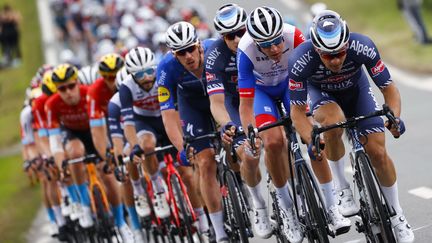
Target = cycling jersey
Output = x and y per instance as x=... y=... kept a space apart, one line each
x=98 y=96
x=263 y=79
x=349 y=88
x=38 y=112
x=115 y=123
x=191 y=92
x=26 y=121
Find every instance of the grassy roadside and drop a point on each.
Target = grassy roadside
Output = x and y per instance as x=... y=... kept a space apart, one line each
x=19 y=201
x=386 y=25
x=13 y=81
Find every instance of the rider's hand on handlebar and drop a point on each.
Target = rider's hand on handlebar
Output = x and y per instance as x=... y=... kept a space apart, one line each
x=136 y=154
x=313 y=153
x=227 y=132
x=248 y=148
x=392 y=128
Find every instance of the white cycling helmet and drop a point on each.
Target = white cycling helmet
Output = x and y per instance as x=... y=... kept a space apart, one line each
x=230 y=17
x=88 y=74
x=181 y=35
x=264 y=23
x=138 y=59
x=121 y=76
x=329 y=33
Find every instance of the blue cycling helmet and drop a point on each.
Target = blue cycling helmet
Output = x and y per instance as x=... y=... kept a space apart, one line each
x=329 y=33
x=230 y=17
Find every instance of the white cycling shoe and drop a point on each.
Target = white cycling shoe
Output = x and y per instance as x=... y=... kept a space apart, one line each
x=291 y=226
x=86 y=219
x=139 y=236
x=161 y=206
x=338 y=223
x=126 y=234
x=142 y=206
x=347 y=205
x=261 y=223
x=75 y=211
x=402 y=230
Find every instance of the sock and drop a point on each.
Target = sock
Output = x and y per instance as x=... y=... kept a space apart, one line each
x=338 y=171
x=59 y=216
x=285 y=200
x=257 y=198
x=73 y=193
x=392 y=196
x=118 y=215
x=329 y=194
x=203 y=224
x=137 y=187
x=217 y=221
x=84 y=194
x=157 y=183
x=134 y=218
x=51 y=215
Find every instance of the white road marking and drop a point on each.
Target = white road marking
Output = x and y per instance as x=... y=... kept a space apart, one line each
x=423 y=192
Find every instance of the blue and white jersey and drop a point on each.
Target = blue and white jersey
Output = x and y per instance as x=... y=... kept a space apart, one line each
x=136 y=100
x=26 y=124
x=173 y=79
x=115 y=123
x=306 y=68
x=255 y=68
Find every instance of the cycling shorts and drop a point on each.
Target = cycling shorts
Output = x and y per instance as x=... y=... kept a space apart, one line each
x=265 y=108
x=84 y=136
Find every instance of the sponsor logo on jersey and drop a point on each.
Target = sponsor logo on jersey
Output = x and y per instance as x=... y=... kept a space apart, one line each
x=293 y=85
x=301 y=63
x=378 y=68
x=163 y=94
x=210 y=77
x=363 y=49
x=211 y=58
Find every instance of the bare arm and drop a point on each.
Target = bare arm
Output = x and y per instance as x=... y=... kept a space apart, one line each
x=218 y=110
x=99 y=135
x=118 y=146
x=301 y=122
x=392 y=98
x=130 y=133
x=246 y=112
x=171 y=122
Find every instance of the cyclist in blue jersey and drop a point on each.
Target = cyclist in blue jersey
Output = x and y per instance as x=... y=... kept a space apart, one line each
x=222 y=88
x=328 y=68
x=262 y=61
x=181 y=74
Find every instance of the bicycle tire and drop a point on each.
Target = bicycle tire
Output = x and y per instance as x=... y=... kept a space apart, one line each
x=184 y=209
x=317 y=221
x=280 y=237
x=380 y=210
x=240 y=225
x=104 y=228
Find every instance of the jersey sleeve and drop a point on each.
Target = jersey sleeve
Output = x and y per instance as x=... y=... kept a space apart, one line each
x=298 y=37
x=166 y=85
x=94 y=108
x=297 y=83
x=214 y=71
x=53 y=124
x=26 y=126
x=366 y=50
x=114 y=120
x=246 y=78
x=126 y=100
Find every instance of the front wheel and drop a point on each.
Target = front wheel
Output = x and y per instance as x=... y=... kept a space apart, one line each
x=185 y=212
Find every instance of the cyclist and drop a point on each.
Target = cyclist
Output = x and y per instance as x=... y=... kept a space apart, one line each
x=98 y=96
x=222 y=88
x=87 y=75
x=328 y=68
x=115 y=125
x=66 y=111
x=181 y=75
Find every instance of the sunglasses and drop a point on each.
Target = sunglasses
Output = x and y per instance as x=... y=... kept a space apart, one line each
x=330 y=56
x=183 y=52
x=65 y=87
x=149 y=72
x=267 y=44
x=238 y=33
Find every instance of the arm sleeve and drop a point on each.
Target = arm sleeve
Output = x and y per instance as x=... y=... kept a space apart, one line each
x=95 y=112
x=373 y=63
x=298 y=37
x=126 y=100
x=297 y=84
x=114 y=116
x=246 y=78
x=214 y=75
x=166 y=86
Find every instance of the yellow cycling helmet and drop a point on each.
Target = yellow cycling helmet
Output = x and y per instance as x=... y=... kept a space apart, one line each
x=48 y=87
x=110 y=64
x=63 y=73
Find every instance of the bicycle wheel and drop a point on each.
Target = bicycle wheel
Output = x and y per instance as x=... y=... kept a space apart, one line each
x=316 y=226
x=380 y=213
x=237 y=217
x=103 y=226
x=277 y=230
x=185 y=211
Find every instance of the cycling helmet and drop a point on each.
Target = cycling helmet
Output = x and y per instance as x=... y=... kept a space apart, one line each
x=329 y=32
x=42 y=69
x=48 y=87
x=110 y=64
x=138 y=59
x=121 y=76
x=88 y=74
x=230 y=17
x=181 y=35
x=63 y=73
x=264 y=24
